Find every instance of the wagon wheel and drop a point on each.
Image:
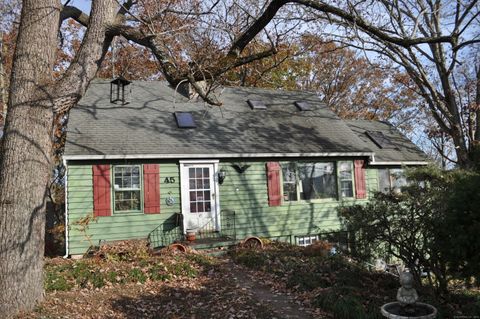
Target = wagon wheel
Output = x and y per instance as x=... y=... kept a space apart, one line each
x=252 y=243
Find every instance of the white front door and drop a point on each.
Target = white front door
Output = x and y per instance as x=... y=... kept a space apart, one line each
x=199 y=196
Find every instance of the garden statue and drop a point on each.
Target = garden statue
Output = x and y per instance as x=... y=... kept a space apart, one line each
x=406 y=295
x=406 y=305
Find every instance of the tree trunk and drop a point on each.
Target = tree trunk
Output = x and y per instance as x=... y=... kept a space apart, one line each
x=25 y=163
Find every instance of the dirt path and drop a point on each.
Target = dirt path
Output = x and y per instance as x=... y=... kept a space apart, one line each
x=283 y=305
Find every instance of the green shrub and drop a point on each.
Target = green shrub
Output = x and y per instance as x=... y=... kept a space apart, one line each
x=345 y=303
x=158 y=273
x=182 y=269
x=433 y=224
x=55 y=281
x=137 y=275
x=81 y=273
x=97 y=280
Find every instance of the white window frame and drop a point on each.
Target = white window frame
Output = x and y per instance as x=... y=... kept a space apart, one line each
x=298 y=183
x=306 y=240
x=140 y=188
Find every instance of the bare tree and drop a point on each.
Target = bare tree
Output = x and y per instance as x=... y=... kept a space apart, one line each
x=431 y=40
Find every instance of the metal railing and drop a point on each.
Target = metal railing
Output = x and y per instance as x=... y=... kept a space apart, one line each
x=171 y=230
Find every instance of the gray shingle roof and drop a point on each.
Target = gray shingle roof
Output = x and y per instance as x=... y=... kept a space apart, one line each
x=147 y=125
x=403 y=151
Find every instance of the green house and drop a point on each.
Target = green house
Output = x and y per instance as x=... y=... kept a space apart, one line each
x=145 y=160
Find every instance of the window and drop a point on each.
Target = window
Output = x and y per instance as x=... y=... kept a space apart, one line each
x=306 y=240
x=127 y=188
x=199 y=186
x=289 y=172
x=345 y=179
x=307 y=181
x=317 y=180
x=391 y=179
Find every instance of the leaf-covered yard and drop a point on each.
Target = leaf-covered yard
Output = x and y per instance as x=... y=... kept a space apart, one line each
x=279 y=281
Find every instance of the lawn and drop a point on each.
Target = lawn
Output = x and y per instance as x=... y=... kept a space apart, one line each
x=279 y=281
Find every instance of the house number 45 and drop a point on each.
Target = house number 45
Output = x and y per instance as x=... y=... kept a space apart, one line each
x=169 y=180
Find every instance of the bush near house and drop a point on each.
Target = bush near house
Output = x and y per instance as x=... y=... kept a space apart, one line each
x=432 y=226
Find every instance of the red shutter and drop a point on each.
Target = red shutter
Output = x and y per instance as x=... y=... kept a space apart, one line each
x=360 y=182
x=273 y=178
x=101 y=191
x=151 y=189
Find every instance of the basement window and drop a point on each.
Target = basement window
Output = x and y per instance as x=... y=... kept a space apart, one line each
x=306 y=240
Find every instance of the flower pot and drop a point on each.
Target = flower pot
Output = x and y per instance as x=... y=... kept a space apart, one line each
x=190 y=234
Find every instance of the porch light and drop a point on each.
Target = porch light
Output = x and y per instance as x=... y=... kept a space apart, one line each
x=118 y=93
x=221 y=176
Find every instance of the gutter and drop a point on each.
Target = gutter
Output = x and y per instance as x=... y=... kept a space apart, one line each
x=220 y=155
x=66 y=209
x=385 y=163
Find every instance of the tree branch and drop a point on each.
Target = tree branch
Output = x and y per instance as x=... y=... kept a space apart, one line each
x=370 y=29
x=71 y=12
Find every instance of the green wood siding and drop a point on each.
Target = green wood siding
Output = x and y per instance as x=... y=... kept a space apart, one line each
x=245 y=193
x=118 y=226
x=372 y=181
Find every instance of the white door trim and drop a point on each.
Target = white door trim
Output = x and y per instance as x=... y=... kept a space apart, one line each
x=212 y=161
x=184 y=189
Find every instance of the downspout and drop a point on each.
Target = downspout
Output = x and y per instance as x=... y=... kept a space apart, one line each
x=66 y=209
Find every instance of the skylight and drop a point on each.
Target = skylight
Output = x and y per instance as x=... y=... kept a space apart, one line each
x=257 y=104
x=380 y=139
x=303 y=106
x=185 y=120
